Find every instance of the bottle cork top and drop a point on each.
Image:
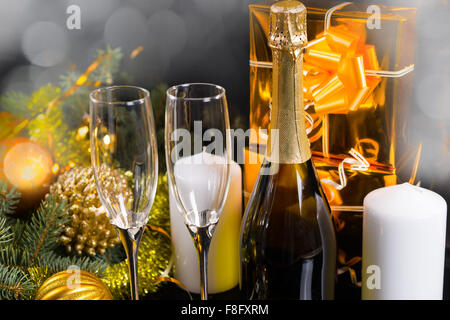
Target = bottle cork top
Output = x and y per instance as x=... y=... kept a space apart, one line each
x=287 y=25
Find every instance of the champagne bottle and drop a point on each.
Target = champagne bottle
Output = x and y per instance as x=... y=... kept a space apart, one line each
x=288 y=245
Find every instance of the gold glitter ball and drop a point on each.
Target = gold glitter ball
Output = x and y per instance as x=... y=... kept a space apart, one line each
x=81 y=285
x=88 y=231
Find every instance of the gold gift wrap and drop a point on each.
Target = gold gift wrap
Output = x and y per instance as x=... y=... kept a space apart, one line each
x=357 y=88
x=357 y=78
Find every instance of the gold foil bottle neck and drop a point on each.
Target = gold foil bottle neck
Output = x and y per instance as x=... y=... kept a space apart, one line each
x=288 y=142
x=287 y=25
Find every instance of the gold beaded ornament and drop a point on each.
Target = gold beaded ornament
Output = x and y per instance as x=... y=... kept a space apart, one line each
x=89 y=231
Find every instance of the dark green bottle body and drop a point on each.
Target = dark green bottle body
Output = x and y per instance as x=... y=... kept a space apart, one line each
x=288 y=246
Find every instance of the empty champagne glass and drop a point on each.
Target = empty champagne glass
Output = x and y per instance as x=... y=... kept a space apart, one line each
x=123 y=142
x=198 y=155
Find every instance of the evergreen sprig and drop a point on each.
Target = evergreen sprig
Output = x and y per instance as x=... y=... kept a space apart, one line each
x=15 y=284
x=8 y=199
x=42 y=231
x=56 y=263
x=15 y=103
x=30 y=251
x=109 y=66
x=5 y=232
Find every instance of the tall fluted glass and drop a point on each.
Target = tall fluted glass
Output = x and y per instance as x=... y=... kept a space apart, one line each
x=198 y=155
x=123 y=140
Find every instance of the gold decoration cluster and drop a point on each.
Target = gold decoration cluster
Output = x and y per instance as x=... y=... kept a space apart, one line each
x=89 y=231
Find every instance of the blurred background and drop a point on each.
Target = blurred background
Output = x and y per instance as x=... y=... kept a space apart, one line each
x=207 y=41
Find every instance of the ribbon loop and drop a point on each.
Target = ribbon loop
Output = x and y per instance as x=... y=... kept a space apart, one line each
x=339 y=58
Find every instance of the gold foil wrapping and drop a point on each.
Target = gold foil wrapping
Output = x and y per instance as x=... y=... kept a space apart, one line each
x=357 y=121
x=287 y=38
x=288 y=26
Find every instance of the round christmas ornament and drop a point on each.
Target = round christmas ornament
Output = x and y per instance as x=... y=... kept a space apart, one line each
x=26 y=166
x=75 y=285
x=89 y=231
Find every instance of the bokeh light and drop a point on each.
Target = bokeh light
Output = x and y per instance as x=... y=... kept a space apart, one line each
x=125 y=28
x=45 y=44
x=13 y=18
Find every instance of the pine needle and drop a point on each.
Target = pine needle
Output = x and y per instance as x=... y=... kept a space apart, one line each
x=45 y=225
x=8 y=199
x=14 y=284
x=6 y=236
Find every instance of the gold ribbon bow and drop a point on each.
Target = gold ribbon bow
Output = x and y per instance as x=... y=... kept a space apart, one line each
x=335 y=67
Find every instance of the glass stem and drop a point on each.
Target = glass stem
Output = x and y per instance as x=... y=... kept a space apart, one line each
x=202 y=240
x=131 y=239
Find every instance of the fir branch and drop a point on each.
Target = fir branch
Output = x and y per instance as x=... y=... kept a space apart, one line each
x=67 y=81
x=6 y=235
x=8 y=199
x=42 y=231
x=15 y=103
x=56 y=263
x=109 y=65
x=14 y=257
x=15 y=284
x=17 y=226
x=103 y=69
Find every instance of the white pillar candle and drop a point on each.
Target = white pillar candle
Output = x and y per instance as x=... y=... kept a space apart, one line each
x=403 y=244
x=223 y=257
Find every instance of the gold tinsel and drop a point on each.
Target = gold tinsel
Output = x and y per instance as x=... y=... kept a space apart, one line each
x=89 y=230
x=154 y=252
x=38 y=274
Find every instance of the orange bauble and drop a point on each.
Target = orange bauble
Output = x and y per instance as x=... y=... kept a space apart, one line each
x=27 y=166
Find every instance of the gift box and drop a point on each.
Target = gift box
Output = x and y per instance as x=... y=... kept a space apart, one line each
x=358 y=75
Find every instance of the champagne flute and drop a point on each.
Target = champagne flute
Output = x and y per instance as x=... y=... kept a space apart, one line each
x=123 y=140
x=198 y=155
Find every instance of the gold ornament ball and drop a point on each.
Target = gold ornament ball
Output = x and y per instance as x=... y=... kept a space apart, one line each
x=89 y=231
x=26 y=166
x=76 y=285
